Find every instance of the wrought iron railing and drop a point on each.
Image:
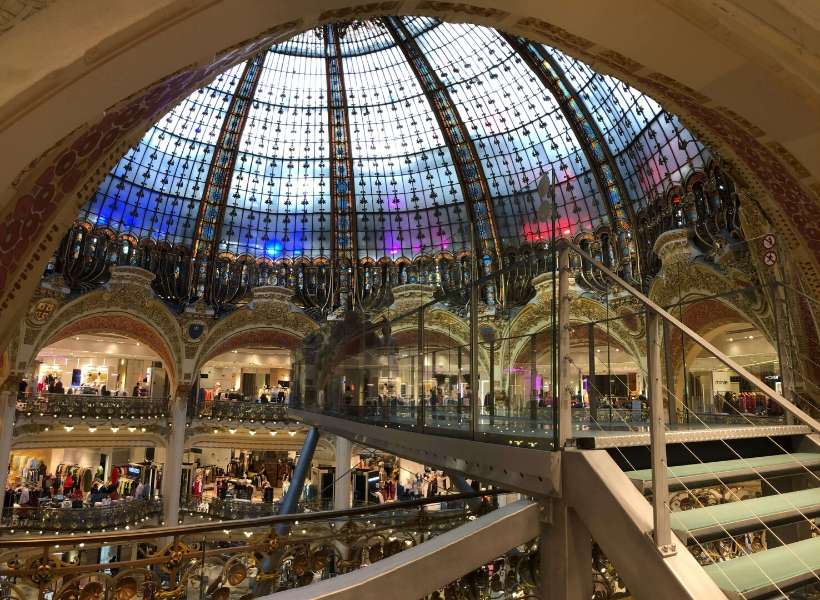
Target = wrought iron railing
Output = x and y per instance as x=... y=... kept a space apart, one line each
x=127 y=512
x=245 y=558
x=239 y=410
x=91 y=406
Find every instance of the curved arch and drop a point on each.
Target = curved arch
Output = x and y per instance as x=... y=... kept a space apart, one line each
x=122 y=324
x=171 y=44
x=256 y=336
x=265 y=322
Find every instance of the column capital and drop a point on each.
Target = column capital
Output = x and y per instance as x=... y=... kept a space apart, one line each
x=183 y=390
x=12 y=383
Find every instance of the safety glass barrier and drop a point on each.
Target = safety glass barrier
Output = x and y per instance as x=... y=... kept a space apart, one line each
x=608 y=363
x=431 y=363
x=248 y=558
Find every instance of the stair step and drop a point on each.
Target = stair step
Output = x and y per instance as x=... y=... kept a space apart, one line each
x=763 y=573
x=728 y=471
x=712 y=522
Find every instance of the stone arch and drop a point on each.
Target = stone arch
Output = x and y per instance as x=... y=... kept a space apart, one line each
x=126 y=306
x=256 y=336
x=121 y=323
x=64 y=154
x=272 y=322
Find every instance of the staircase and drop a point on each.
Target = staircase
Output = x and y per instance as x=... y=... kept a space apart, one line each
x=750 y=516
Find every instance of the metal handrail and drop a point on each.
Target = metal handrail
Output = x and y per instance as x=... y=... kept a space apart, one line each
x=180 y=530
x=728 y=362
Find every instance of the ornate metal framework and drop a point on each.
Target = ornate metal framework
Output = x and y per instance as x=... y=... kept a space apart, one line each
x=471 y=175
x=214 y=199
x=344 y=246
x=600 y=159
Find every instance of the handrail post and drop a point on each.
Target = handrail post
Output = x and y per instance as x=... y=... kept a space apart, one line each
x=657 y=437
x=420 y=370
x=475 y=406
x=563 y=396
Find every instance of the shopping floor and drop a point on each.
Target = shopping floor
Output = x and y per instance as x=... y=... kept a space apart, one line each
x=434 y=300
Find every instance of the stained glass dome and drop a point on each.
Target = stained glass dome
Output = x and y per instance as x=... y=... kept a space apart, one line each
x=392 y=100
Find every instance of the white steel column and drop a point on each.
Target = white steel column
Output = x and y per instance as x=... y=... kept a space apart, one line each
x=172 y=471
x=564 y=397
x=341 y=483
x=8 y=404
x=566 y=554
x=657 y=436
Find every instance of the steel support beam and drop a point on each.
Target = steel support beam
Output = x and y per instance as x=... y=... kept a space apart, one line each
x=297 y=482
x=593 y=144
x=566 y=555
x=466 y=161
x=430 y=566
x=211 y=215
x=536 y=472
x=343 y=234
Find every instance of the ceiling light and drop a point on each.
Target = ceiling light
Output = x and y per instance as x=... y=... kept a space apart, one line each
x=115 y=429
x=731 y=339
x=68 y=427
x=92 y=429
x=273 y=433
x=232 y=431
x=216 y=430
x=132 y=429
x=251 y=432
x=291 y=433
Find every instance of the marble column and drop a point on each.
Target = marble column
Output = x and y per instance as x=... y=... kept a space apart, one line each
x=341 y=484
x=8 y=404
x=172 y=471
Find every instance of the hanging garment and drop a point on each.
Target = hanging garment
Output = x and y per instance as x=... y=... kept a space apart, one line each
x=87 y=480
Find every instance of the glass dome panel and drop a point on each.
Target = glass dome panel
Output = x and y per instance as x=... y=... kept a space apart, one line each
x=409 y=200
x=154 y=190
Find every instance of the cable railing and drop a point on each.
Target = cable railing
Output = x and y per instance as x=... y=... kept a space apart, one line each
x=245 y=558
x=750 y=570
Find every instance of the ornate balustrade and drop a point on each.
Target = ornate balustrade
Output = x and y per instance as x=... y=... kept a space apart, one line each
x=62 y=406
x=240 y=410
x=118 y=514
x=247 y=558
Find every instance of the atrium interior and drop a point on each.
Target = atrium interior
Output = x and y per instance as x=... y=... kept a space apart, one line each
x=413 y=299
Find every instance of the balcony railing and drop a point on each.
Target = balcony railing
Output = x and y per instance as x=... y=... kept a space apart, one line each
x=91 y=407
x=247 y=558
x=90 y=518
x=240 y=410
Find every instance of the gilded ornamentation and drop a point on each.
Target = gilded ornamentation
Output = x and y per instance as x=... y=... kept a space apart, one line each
x=461 y=9
x=41 y=570
x=359 y=11
x=42 y=311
